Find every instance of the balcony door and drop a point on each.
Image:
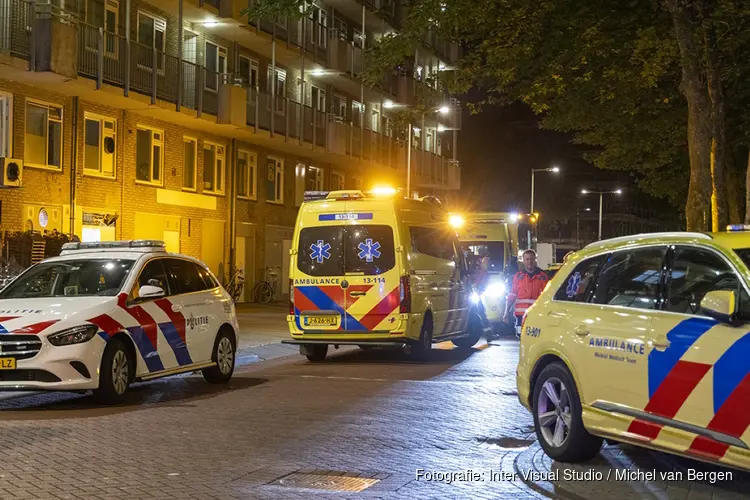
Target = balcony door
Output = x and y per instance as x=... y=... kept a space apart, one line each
x=189 y=68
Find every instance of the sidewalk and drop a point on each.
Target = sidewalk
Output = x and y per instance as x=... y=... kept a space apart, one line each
x=262 y=328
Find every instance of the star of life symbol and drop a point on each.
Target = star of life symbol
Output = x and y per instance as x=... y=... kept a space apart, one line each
x=573 y=283
x=320 y=251
x=369 y=250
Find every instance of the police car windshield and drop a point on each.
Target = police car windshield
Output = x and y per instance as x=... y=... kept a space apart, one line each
x=70 y=278
x=340 y=250
x=495 y=251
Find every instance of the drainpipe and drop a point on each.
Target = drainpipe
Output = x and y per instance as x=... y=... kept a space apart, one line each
x=233 y=205
x=180 y=69
x=363 y=113
x=273 y=80
x=73 y=166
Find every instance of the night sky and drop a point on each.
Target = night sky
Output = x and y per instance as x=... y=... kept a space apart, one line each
x=499 y=147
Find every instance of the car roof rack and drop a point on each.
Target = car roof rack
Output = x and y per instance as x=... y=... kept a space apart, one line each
x=144 y=246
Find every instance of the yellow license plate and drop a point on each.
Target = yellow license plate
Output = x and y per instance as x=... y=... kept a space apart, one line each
x=320 y=320
x=7 y=363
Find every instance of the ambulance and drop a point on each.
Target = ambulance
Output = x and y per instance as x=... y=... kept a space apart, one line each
x=376 y=269
x=496 y=233
x=644 y=339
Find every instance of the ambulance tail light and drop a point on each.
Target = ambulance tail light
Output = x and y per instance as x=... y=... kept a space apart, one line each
x=291 y=297
x=405 y=295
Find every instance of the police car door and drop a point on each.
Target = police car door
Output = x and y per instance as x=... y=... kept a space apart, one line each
x=193 y=313
x=613 y=330
x=698 y=370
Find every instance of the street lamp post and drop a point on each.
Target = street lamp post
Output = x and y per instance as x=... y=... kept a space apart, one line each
x=578 y=225
x=442 y=110
x=533 y=171
x=601 y=202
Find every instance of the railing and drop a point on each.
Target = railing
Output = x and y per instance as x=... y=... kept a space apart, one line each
x=15 y=28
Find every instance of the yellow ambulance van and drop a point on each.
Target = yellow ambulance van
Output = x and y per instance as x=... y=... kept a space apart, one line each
x=376 y=270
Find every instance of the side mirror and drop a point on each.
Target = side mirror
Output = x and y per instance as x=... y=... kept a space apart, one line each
x=150 y=292
x=720 y=305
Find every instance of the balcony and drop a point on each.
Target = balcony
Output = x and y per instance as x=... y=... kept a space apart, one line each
x=15 y=25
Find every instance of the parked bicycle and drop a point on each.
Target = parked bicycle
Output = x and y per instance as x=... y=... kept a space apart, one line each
x=236 y=284
x=265 y=290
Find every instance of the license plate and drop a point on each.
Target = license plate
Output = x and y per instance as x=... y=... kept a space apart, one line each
x=320 y=320
x=7 y=363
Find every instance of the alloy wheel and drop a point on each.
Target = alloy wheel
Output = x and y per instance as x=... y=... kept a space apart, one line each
x=120 y=372
x=553 y=412
x=225 y=356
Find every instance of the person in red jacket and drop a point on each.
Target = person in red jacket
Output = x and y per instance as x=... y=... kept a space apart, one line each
x=527 y=286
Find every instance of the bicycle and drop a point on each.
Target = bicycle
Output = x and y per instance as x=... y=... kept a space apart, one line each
x=236 y=285
x=265 y=290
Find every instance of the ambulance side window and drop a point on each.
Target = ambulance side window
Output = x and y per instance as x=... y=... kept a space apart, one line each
x=580 y=282
x=433 y=242
x=694 y=273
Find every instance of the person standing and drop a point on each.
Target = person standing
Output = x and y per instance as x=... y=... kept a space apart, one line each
x=527 y=286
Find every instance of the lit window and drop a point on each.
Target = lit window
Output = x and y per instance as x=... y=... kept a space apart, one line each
x=43 y=141
x=213 y=168
x=275 y=180
x=149 y=155
x=99 y=145
x=189 y=163
x=246 y=168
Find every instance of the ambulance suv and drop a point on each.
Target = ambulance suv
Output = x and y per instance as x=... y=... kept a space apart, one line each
x=103 y=315
x=376 y=271
x=644 y=339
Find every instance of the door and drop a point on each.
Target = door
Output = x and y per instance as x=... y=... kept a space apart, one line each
x=194 y=304
x=212 y=247
x=698 y=371
x=189 y=69
x=435 y=281
x=612 y=330
x=172 y=241
x=374 y=294
x=240 y=250
x=159 y=352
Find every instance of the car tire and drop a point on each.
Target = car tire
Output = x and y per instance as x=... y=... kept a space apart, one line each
x=317 y=353
x=224 y=355
x=557 y=417
x=115 y=374
x=420 y=349
x=474 y=331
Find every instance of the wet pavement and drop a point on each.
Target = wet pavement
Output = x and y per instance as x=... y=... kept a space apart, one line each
x=364 y=424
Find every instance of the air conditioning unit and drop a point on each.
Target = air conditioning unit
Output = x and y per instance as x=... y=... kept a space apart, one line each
x=11 y=172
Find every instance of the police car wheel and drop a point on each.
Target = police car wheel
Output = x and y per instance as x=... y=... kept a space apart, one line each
x=557 y=417
x=115 y=374
x=224 y=357
x=317 y=352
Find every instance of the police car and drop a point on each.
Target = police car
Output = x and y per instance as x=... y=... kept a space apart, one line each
x=103 y=315
x=644 y=339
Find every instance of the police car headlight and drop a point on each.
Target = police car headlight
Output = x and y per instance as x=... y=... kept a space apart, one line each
x=75 y=335
x=474 y=297
x=494 y=291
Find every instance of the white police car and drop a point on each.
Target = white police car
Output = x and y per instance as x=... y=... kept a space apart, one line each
x=103 y=315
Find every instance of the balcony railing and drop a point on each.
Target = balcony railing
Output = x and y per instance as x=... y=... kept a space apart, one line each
x=15 y=28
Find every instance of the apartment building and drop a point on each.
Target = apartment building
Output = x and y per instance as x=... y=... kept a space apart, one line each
x=185 y=121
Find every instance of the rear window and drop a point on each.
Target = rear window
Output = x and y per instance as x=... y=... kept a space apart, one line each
x=339 y=250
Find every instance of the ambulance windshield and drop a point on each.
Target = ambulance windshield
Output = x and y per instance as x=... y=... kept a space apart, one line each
x=340 y=250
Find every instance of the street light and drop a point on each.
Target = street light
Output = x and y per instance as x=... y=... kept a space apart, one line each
x=442 y=110
x=578 y=224
x=601 y=198
x=554 y=170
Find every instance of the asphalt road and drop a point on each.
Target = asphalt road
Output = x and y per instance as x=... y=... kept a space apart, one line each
x=364 y=424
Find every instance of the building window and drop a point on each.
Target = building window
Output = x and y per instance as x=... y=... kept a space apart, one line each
x=342 y=30
x=6 y=125
x=103 y=14
x=318 y=99
x=151 y=32
x=339 y=107
x=314 y=179
x=246 y=170
x=149 y=155
x=375 y=118
x=249 y=72
x=279 y=86
x=213 y=167
x=189 y=163
x=337 y=181
x=43 y=141
x=99 y=142
x=275 y=180
x=358 y=111
x=319 y=33
x=216 y=65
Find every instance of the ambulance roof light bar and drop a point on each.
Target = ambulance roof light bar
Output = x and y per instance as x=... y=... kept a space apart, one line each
x=353 y=194
x=738 y=228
